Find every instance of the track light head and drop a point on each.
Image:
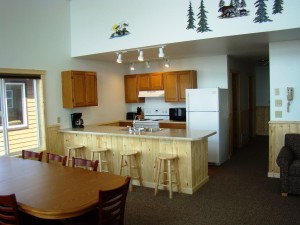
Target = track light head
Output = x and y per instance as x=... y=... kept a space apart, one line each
x=161 y=53
x=167 y=63
x=147 y=64
x=119 y=58
x=132 y=66
x=141 y=55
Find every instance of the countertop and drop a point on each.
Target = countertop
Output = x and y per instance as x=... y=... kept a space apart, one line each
x=160 y=121
x=164 y=133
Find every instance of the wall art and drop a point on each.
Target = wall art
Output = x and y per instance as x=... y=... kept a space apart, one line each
x=202 y=23
x=120 y=30
x=236 y=8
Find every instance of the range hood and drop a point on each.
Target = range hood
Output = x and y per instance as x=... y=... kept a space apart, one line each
x=151 y=94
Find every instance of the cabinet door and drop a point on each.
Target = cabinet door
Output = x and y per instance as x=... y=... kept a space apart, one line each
x=170 y=86
x=131 y=83
x=91 y=89
x=144 y=82
x=78 y=83
x=186 y=80
x=156 y=81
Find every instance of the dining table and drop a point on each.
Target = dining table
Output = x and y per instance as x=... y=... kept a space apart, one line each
x=52 y=191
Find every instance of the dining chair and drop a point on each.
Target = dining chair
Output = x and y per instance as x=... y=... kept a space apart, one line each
x=55 y=158
x=111 y=204
x=85 y=163
x=9 y=210
x=26 y=154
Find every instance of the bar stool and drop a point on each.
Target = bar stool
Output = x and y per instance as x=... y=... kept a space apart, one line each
x=169 y=171
x=102 y=158
x=130 y=166
x=75 y=151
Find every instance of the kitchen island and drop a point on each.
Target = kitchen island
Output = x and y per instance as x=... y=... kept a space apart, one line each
x=189 y=145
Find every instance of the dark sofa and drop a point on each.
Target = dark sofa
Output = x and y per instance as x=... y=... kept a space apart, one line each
x=288 y=160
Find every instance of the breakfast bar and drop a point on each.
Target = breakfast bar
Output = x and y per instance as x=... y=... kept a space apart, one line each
x=190 y=146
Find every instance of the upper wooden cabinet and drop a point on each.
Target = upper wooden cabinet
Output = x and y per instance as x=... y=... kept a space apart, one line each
x=175 y=84
x=152 y=81
x=131 y=84
x=79 y=89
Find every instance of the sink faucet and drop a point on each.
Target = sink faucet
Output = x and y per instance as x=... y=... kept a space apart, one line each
x=136 y=117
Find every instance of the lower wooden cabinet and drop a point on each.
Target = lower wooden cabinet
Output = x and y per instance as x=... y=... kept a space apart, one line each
x=172 y=125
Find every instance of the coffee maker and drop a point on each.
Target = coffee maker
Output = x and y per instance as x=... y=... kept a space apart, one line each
x=77 y=122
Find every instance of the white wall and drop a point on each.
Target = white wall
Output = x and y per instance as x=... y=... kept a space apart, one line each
x=35 y=34
x=155 y=22
x=285 y=72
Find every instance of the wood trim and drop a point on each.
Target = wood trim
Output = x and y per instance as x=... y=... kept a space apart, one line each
x=22 y=71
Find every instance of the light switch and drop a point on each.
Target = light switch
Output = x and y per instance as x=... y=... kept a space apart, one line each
x=277 y=91
x=278 y=114
x=278 y=102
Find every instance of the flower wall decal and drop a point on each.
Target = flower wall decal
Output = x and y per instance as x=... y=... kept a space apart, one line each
x=120 y=30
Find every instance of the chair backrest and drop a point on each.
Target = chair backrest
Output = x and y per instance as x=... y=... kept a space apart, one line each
x=51 y=157
x=26 y=154
x=292 y=141
x=85 y=163
x=9 y=210
x=112 y=204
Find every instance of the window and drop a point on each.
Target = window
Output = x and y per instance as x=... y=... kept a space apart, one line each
x=21 y=107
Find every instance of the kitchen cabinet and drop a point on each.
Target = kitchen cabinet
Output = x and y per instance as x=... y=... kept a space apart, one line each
x=79 y=89
x=125 y=123
x=172 y=125
x=131 y=84
x=175 y=84
x=152 y=81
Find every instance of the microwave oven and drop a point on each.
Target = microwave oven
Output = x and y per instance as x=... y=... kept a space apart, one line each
x=177 y=114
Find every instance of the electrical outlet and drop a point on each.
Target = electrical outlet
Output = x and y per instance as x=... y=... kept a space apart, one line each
x=278 y=102
x=58 y=119
x=277 y=91
x=278 y=114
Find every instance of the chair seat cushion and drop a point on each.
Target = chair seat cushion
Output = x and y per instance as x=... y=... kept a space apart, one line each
x=294 y=169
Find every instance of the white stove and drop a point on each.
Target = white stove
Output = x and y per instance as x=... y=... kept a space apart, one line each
x=152 y=118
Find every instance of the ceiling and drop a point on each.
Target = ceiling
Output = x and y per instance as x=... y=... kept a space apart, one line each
x=251 y=48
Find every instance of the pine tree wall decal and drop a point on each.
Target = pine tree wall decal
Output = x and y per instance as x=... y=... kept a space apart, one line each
x=243 y=4
x=277 y=7
x=191 y=18
x=221 y=3
x=202 y=24
x=261 y=13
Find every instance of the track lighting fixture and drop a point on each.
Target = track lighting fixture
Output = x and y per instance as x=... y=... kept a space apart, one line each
x=119 y=57
x=132 y=66
x=161 y=53
x=167 y=63
x=141 y=55
x=147 y=64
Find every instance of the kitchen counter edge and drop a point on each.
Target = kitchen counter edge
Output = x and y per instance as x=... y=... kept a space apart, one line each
x=166 y=133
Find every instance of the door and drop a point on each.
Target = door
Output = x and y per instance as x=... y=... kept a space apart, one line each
x=78 y=88
x=91 y=89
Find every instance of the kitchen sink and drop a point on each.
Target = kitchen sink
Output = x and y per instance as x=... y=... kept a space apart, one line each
x=142 y=130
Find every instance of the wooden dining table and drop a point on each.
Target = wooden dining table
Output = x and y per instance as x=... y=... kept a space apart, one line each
x=53 y=191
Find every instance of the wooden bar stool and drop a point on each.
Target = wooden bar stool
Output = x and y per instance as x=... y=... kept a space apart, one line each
x=169 y=172
x=102 y=158
x=129 y=167
x=77 y=151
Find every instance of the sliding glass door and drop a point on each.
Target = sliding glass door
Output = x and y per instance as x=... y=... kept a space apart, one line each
x=19 y=120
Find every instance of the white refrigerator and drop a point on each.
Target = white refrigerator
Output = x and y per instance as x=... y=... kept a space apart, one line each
x=207 y=109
